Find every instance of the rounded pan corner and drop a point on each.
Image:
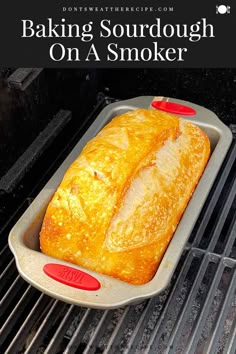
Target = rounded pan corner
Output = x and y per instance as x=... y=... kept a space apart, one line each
x=13 y=242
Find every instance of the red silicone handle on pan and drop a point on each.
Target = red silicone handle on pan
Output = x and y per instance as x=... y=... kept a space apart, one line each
x=175 y=108
x=71 y=276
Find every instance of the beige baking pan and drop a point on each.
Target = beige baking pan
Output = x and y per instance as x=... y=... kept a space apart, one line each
x=80 y=286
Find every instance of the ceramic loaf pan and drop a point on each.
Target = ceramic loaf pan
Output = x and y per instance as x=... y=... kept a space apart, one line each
x=84 y=287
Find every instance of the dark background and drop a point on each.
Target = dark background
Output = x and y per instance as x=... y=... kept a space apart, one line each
x=25 y=112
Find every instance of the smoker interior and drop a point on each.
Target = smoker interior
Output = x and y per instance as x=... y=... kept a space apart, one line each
x=197 y=312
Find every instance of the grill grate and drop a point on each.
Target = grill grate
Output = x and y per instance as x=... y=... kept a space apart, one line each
x=195 y=314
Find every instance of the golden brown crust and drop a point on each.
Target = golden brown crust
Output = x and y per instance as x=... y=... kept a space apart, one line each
x=121 y=200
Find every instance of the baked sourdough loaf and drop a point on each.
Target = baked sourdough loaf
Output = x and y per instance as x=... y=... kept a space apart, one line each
x=120 y=202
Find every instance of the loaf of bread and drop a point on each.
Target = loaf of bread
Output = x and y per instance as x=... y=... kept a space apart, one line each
x=121 y=200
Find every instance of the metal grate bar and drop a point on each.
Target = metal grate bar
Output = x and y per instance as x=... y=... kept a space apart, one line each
x=214 y=340
x=8 y=271
x=154 y=315
x=186 y=309
x=230 y=348
x=25 y=330
x=114 y=341
x=196 y=333
x=201 y=227
x=12 y=292
x=142 y=323
x=60 y=332
x=3 y=251
x=175 y=300
x=17 y=314
x=98 y=333
x=79 y=333
x=127 y=327
x=5 y=255
x=231 y=238
x=229 y=326
x=222 y=217
x=53 y=311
